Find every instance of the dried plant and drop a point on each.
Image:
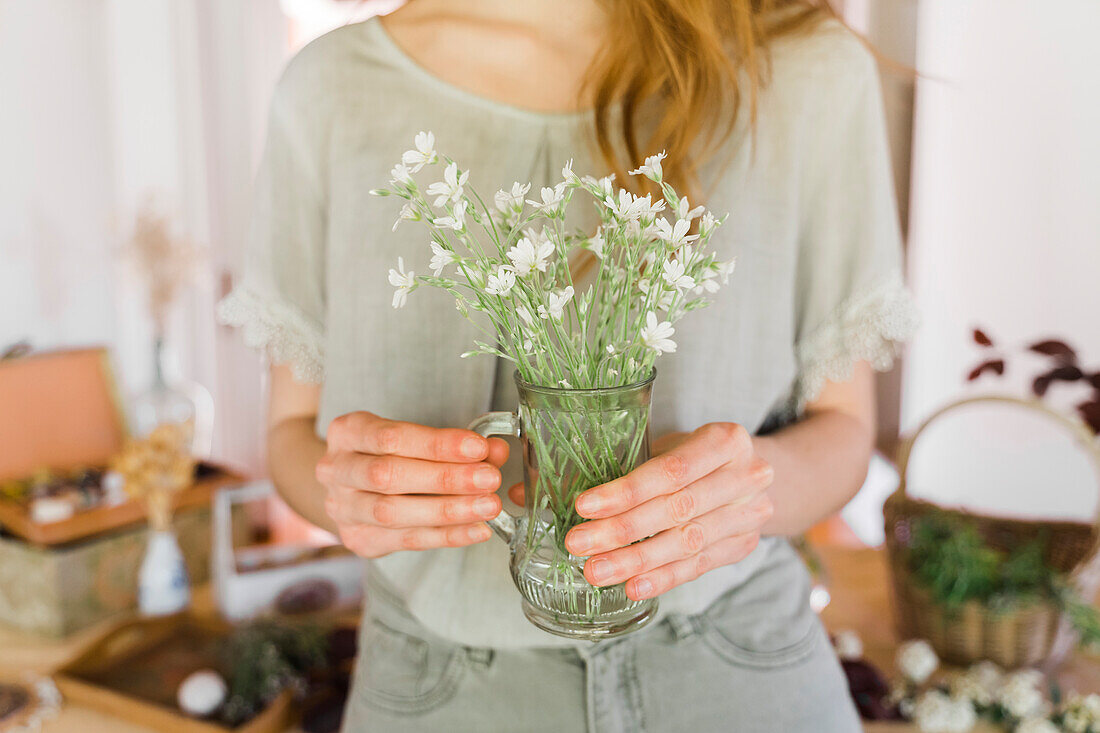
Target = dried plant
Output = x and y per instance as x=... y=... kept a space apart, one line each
x=166 y=262
x=1062 y=366
x=155 y=469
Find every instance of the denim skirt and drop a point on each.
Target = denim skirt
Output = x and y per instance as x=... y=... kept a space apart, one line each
x=756 y=660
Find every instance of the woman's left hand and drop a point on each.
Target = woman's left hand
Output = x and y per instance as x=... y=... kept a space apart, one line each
x=701 y=505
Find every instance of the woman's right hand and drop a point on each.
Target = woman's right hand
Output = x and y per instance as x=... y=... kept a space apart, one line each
x=400 y=486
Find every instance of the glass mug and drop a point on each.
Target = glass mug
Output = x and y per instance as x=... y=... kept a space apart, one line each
x=572 y=439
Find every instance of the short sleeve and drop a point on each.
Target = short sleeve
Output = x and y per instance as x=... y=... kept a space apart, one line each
x=279 y=303
x=851 y=303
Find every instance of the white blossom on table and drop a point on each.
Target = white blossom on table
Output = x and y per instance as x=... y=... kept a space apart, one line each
x=917 y=661
x=1021 y=694
x=1081 y=713
x=848 y=645
x=938 y=712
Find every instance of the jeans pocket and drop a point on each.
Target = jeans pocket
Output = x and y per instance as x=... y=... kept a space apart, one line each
x=402 y=673
x=767 y=622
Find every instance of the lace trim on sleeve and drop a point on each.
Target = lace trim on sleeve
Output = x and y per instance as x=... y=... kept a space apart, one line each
x=280 y=329
x=869 y=326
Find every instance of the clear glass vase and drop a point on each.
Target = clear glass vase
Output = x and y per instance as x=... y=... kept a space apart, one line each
x=187 y=404
x=573 y=440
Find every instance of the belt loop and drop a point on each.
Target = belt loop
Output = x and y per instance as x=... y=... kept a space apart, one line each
x=682 y=626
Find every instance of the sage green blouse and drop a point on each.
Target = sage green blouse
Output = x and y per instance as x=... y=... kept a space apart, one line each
x=812 y=222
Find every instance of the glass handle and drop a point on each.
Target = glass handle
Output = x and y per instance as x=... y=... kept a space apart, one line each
x=499 y=423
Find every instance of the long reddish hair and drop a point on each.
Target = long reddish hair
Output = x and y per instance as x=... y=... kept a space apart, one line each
x=702 y=62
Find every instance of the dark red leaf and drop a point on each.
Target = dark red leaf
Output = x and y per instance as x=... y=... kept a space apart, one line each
x=1067 y=373
x=981 y=339
x=1041 y=384
x=1058 y=349
x=994 y=365
x=1090 y=413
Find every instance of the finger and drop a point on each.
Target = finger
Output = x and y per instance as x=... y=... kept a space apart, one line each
x=678 y=543
x=365 y=432
x=667 y=577
x=363 y=507
x=516 y=494
x=367 y=541
x=498 y=452
x=398 y=475
x=726 y=485
x=705 y=450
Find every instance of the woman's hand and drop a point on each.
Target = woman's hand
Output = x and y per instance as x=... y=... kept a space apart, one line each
x=702 y=505
x=400 y=486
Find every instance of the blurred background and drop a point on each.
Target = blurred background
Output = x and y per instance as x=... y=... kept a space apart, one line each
x=124 y=114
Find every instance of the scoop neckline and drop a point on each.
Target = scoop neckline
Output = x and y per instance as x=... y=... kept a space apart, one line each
x=413 y=66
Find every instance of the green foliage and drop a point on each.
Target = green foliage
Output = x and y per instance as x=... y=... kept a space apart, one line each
x=264 y=658
x=949 y=557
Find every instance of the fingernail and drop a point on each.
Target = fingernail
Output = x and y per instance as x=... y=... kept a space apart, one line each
x=485 y=478
x=485 y=507
x=601 y=568
x=579 y=541
x=479 y=533
x=643 y=588
x=473 y=447
x=589 y=504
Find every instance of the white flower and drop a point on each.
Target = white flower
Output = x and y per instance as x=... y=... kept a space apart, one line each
x=403 y=281
x=500 y=282
x=673 y=273
x=551 y=199
x=707 y=224
x=658 y=336
x=450 y=188
x=441 y=257
x=423 y=154
x=979 y=683
x=708 y=282
x=528 y=255
x=935 y=712
x=1020 y=694
x=526 y=317
x=917 y=661
x=675 y=234
x=684 y=210
x=848 y=645
x=401 y=175
x=652 y=168
x=565 y=383
x=408 y=213
x=596 y=244
x=555 y=303
x=510 y=200
x=1081 y=714
x=1036 y=725
x=725 y=269
x=457 y=219
x=568 y=174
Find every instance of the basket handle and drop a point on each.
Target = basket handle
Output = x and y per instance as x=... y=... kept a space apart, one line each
x=1082 y=434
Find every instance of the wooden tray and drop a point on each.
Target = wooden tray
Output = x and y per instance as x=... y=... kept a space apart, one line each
x=134 y=670
x=16 y=519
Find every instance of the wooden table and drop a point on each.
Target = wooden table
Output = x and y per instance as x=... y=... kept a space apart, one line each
x=860 y=600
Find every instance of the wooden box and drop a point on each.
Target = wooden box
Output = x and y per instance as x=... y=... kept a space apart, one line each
x=55 y=591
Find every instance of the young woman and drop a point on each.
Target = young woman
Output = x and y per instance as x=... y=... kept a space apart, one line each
x=763 y=419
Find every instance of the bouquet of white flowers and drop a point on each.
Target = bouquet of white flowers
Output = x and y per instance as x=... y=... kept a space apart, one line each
x=584 y=354
x=650 y=270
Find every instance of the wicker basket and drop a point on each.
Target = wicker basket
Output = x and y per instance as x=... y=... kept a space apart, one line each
x=1025 y=635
